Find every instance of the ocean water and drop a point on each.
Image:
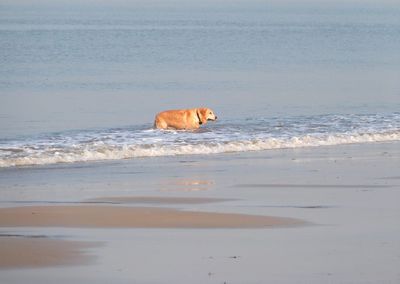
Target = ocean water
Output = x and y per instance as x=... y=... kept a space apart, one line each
x=82 y=81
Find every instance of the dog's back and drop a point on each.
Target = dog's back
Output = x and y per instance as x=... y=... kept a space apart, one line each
x=183 y=118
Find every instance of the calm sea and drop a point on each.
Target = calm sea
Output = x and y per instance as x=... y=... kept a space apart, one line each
x=82 y=80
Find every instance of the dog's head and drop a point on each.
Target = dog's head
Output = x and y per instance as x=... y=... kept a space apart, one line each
x=206 y=114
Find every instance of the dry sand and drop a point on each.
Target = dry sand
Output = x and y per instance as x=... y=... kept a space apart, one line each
x=92 y=216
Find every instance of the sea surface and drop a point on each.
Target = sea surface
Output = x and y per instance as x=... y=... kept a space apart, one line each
x=82 y=81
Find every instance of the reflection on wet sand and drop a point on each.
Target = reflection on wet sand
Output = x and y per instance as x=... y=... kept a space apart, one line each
x=154 y=200
x=187 y=185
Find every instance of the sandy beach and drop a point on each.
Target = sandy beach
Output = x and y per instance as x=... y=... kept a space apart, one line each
x=328 y=214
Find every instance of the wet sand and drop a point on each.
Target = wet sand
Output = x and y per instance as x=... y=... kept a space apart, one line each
x=155 y=200
x=35 y=252
x=349 y=193
x=40 y=251
x=131 y=217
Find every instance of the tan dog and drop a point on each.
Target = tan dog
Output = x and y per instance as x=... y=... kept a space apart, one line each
x=184 y=118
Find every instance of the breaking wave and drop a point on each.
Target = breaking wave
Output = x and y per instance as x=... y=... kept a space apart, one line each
x=230 y=136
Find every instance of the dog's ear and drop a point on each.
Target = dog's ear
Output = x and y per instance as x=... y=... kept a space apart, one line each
x=202 y=114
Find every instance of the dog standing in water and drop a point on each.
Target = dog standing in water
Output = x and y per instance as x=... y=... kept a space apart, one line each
x=184 y=118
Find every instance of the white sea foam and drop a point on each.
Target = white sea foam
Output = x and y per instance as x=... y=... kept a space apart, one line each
x=253 y=134
x=95 y=151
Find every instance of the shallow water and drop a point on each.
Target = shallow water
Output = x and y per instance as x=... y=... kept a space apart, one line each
x=82 y=82
x=243 y=135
